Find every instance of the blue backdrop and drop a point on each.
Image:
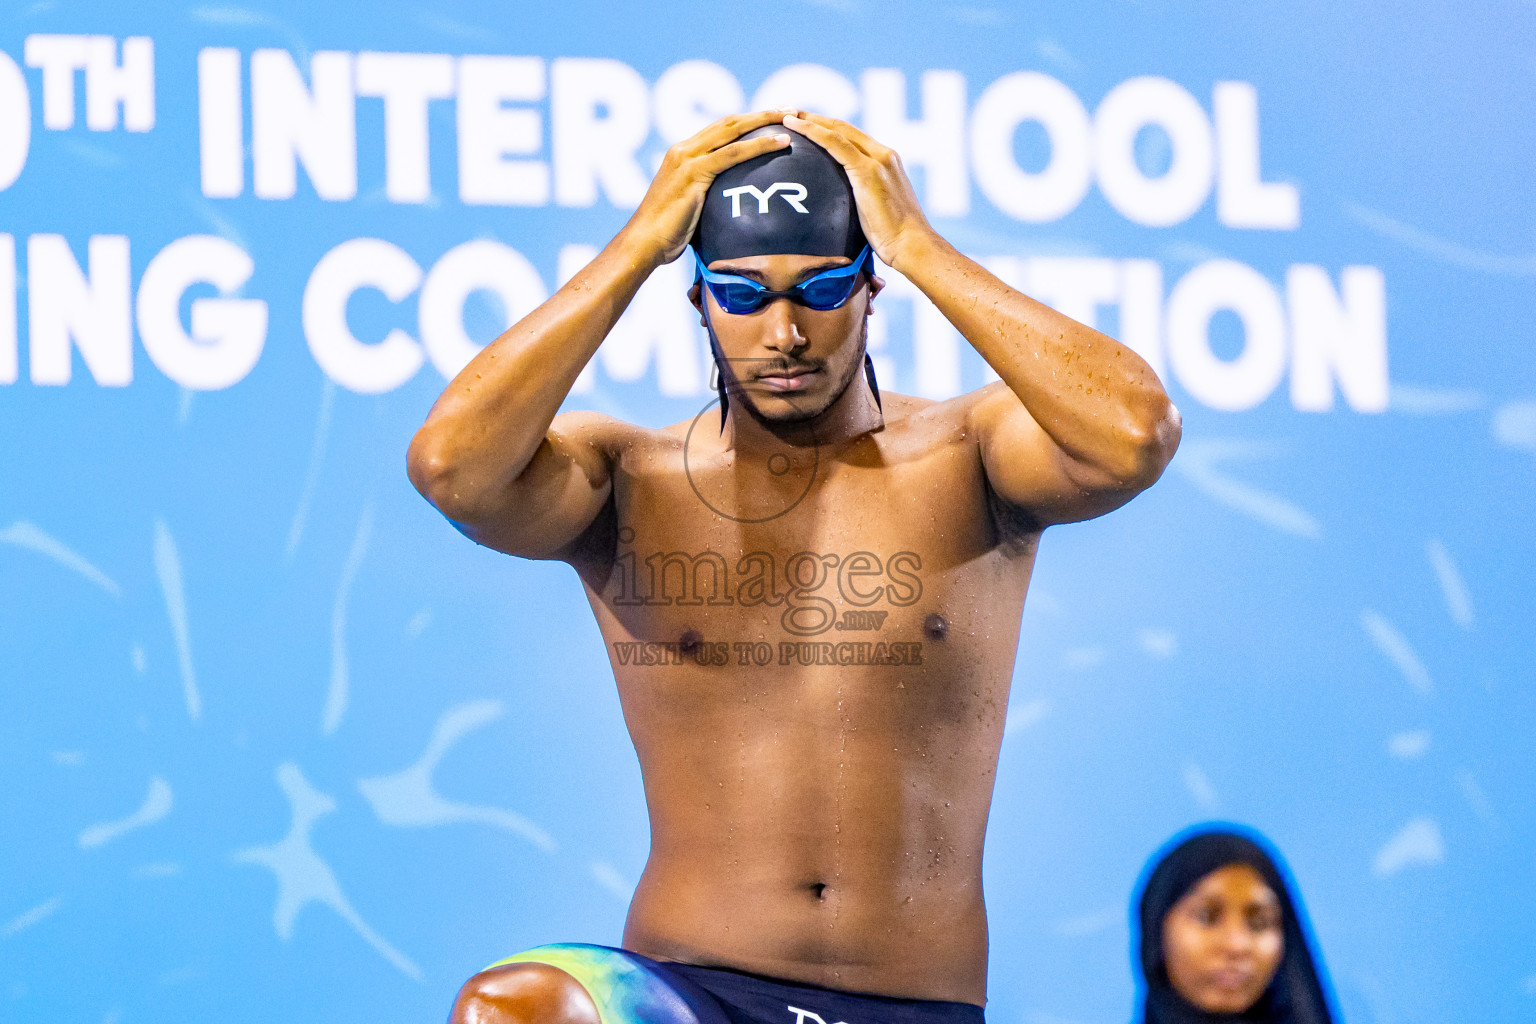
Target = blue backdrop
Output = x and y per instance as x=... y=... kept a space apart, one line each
x=278 y=744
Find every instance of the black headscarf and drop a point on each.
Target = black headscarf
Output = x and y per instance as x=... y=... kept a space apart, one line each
x=1295 y=996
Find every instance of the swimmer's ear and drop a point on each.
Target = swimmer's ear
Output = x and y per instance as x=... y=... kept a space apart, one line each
x=696 y=296
x=876 y=286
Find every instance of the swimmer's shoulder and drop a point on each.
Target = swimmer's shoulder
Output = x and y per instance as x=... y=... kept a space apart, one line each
x=606 y=434
x=925 y=422
x=909 y=420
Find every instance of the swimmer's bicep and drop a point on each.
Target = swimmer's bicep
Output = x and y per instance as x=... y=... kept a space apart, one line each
x=557 y=497
x=1029 y=471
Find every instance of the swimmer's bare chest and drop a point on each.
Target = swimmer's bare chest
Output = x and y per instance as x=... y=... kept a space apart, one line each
x=813 y=655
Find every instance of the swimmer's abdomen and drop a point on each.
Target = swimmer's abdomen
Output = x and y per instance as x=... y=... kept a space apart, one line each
x=825 y=826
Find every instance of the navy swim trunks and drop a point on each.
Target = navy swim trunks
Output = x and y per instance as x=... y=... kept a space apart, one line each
x=628 y=988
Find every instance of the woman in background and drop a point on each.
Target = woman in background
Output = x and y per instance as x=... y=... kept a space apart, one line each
x=1222 y=938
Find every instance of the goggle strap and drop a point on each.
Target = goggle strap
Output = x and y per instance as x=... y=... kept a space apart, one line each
x=716 y=378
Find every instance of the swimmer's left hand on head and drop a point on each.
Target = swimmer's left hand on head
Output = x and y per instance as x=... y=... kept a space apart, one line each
x=889 y=212
x=1082 y=423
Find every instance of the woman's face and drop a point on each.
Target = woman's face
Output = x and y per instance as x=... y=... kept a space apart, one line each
x=1222 y=942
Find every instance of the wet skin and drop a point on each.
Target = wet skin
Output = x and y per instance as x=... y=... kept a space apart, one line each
x=1223 y=942
x=820 y=817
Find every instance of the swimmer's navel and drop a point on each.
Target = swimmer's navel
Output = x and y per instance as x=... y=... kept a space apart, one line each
x=935 y=627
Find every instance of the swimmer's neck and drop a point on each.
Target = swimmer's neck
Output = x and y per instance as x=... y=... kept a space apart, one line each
x=852 y=414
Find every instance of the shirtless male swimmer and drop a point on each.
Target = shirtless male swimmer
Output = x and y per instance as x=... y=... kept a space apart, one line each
x=811 y=599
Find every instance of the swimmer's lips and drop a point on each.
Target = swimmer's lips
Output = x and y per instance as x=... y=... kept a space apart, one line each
x=795 y=379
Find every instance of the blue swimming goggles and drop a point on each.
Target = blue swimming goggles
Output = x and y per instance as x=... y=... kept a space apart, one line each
x=826 y=290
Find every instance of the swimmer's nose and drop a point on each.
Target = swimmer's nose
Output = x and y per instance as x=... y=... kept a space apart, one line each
x=783 y=333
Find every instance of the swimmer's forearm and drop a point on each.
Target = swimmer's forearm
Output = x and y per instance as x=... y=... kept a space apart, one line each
x=489 y=422
x=1098 y=400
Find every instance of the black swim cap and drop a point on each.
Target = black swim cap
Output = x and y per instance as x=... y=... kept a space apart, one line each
x=795 y=200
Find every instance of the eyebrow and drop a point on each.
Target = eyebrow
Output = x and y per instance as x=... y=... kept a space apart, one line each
x=758 y=276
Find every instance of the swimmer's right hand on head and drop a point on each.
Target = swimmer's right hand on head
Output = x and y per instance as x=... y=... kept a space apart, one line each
x=668 y=214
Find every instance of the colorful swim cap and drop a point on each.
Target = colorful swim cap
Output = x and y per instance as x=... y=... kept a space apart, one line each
x=795 y=200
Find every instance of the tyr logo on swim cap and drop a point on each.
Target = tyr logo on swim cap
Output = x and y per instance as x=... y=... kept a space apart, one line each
x=798 y=201
x=793 y=191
